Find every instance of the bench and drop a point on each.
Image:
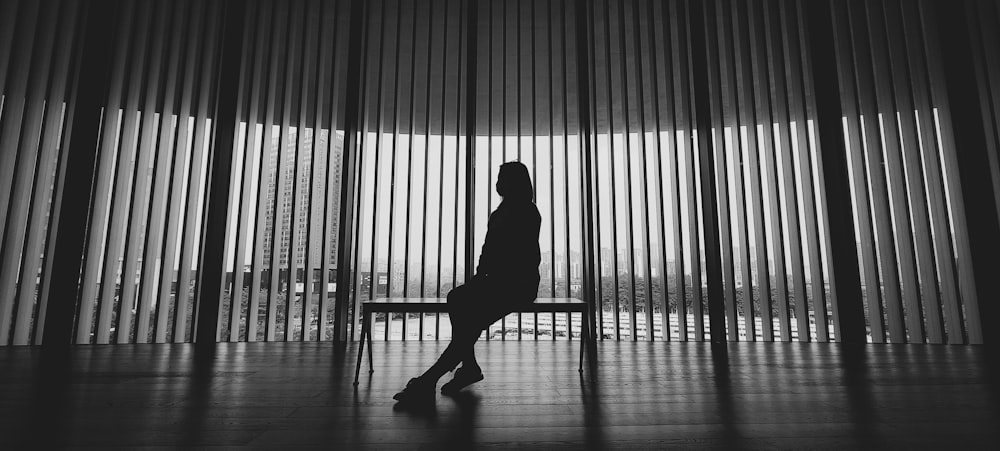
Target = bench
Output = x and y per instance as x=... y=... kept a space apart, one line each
x=440 y=305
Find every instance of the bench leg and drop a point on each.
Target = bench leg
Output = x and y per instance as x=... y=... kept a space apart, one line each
x=371 y=365
x=361 y=345
x=583 y=337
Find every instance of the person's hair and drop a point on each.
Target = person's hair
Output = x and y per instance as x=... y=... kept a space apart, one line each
x=514 y=182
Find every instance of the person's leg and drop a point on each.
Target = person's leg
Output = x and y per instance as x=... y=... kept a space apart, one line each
x=469 y=362
x=462 y=342
x=468 y=320
x=489 y=309
x=465 y=331
x=421 y=389
x=461 y=314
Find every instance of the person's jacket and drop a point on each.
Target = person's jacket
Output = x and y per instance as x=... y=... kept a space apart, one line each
x=510 y=254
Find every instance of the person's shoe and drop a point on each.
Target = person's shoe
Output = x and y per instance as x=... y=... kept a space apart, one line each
x=463 y=378
x=417 y=391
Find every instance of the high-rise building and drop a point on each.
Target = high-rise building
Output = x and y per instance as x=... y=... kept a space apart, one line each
x=294 y=197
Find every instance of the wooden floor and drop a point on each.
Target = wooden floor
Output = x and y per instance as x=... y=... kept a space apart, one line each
x=645 y=395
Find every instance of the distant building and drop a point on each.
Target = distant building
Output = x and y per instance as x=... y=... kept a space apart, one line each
x=301 y=210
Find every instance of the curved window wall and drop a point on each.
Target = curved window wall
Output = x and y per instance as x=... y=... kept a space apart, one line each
x=412 y=179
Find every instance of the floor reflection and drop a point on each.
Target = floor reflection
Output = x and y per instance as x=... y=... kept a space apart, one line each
x=854 y=362
x=723 y=387
x=649 y=395
x=463 y=421
x=48 y=422
x=593 y=420
x=199 y=395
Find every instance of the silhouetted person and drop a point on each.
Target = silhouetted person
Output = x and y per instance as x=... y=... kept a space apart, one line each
x=505 y=281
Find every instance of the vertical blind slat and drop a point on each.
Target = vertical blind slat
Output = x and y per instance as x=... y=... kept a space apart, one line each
x=898 y=197
x=949 y=163
x=645 y=237
x=811 y=176
x=303 y=66
x=15 y=108
x=698 y=252
x=752 y=175
x=924 y=313
x=54 y=70
x=734 y=121
x=167 y=297
x=166 y=149
x=253 y=54
x=675 y=108
x=718 y=96
x=31 y=305
x=863 y=220
x=123 y=189
x=948 y=309
x=139 y=211
x=787 y=185
x=24 y=144
x=876 y=178
x=272 y=41
x=661 y=146
x=313 y=103
x=626 y=152
x=283 y=116
x=9 y=11
x=196 y=181
x=326 y=120
x=768 y=172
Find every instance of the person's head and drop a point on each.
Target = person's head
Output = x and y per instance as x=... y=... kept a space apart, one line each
x=514 y=182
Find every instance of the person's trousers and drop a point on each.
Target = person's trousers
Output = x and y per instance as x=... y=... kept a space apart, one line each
x=472 y=308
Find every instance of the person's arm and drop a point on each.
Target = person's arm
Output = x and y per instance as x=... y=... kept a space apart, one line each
x=485 y=255
x=532 y=232
x=481 y=270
